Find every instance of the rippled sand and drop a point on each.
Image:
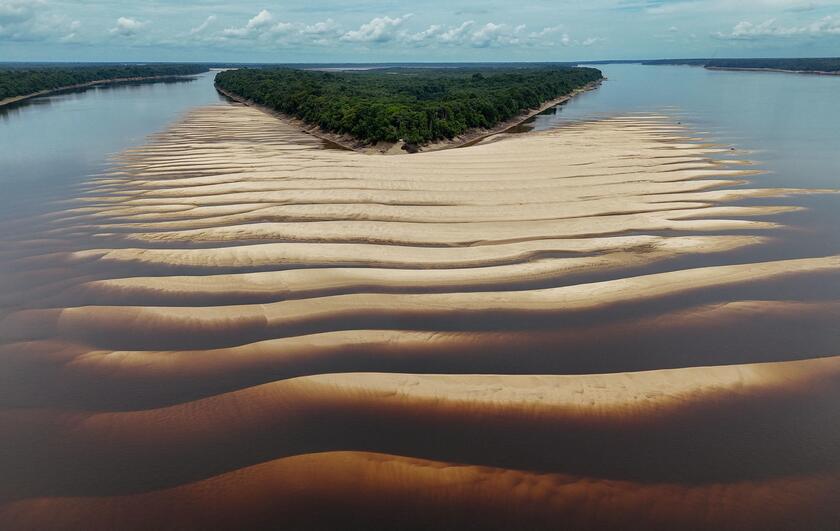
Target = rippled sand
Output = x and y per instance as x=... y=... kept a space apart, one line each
x=236 y=329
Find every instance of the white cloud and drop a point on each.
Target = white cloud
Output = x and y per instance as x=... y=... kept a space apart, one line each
x=495 y=34
x=265 y=30
x=256 y=25
x=127 y=27
x=424 y=37
x=745 y=30
x=378 y=30
x=263 y=19
x=457 y=34
x=204 y=25
x=545 y=32
x=489 y=35
x=327 y=27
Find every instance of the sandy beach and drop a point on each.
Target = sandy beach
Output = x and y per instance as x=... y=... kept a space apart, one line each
x=234 y=327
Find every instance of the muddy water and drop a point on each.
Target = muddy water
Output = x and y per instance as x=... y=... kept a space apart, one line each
x=617 y=322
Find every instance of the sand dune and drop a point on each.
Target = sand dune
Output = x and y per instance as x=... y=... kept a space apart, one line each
x=629 y=426
x=235 y=328
x=345 y=490
x=55 y=375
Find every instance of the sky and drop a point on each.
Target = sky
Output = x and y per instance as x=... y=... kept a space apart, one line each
x=300 y=31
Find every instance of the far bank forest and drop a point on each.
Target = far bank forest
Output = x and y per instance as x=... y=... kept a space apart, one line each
x=416 y=105
x=20 y=81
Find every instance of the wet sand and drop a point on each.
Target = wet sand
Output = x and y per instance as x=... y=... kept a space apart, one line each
x=235 y=328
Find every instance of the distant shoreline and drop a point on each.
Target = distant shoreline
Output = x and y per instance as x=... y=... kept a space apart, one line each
x=470 y=138
x=99 y=82
x=779 y=70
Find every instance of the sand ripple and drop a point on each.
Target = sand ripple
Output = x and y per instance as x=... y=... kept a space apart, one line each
x=236 y=329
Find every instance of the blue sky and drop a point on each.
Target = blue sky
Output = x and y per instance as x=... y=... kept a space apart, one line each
x=399 y=30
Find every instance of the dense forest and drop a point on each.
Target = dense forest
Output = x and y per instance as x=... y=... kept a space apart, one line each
x=797 y=65
x=22 y=81
x=413 y=104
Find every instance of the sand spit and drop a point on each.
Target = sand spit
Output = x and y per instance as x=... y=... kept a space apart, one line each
x=236 y=328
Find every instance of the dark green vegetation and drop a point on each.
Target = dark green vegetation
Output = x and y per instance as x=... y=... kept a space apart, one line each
x=795 y=65
x=22 y=81
x=414 y=104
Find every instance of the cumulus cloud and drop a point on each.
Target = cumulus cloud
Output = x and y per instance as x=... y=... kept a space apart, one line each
x=127 y=27
x=493 y=34
x=378 y=30
x=327 y=27
x=457 y=34
x=266 y=30
x=425 y=36
x=257 y=24
x=490 y=34
x=745 y=30
x=264 y=27
x=262 y=20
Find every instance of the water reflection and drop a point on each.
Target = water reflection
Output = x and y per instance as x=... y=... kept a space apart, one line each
x=55 y=141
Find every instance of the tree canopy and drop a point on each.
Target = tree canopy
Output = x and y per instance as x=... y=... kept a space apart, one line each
x=416 y=105
x=820 y=64
x=29 y=80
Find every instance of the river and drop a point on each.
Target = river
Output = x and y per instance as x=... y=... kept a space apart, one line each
x=786 y=123
x=219 y=322
x=52 y=142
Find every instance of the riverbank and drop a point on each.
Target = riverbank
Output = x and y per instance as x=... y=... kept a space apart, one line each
x=90 y=84
x=470 y=138
x=779 y=70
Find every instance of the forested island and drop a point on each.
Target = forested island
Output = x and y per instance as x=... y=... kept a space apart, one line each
x=415 y=105
x=29 y=80
x=829 y=65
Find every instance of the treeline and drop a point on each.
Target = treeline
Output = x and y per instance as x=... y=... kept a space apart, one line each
x=827 y=64
x=413 y=104
x=20 y=81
